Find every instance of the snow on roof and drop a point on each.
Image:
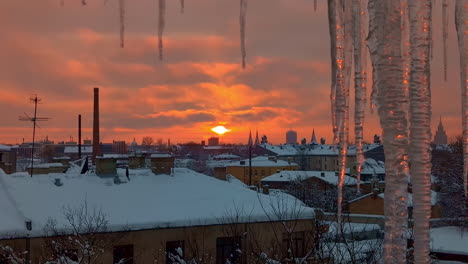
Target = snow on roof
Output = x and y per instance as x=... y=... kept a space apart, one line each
x=311 y=149
x=226 y=156
x=327 y=176
x=371 y=165
x=349 y=227
x=146 y=201
x=434 y=198
x=449 y=239
x=262 y=161
x=47 y=165
x=5 y=148
x=161 y=155
x=74 y=149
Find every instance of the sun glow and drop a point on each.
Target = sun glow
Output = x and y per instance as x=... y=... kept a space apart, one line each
x=220 y=130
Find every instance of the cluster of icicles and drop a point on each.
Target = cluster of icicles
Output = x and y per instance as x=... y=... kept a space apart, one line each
x=398 y=35
x=399 y=39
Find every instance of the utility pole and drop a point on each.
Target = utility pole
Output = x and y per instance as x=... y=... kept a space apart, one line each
x=34 y=99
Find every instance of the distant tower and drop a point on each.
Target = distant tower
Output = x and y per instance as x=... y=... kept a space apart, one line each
x=291 y=137
x=96 y=141
x=314 y=139
x=257 y=141
x=440 y=136
x=264 y=139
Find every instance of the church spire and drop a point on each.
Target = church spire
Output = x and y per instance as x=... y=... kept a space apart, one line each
x=257 y=141
x=314 y=139
x=250 y=138
x=440 y=135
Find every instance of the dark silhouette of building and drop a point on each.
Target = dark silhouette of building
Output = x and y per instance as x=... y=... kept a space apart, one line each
x=440 y=135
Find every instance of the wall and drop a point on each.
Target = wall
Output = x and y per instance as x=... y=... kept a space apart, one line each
x=199 y=241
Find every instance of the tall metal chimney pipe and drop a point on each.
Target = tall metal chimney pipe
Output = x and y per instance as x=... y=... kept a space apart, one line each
x=79 y=136
x=96 y=141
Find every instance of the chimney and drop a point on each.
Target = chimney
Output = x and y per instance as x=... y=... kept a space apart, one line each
x=96 y=141
x=79 y=136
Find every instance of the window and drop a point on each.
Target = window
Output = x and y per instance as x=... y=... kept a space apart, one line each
x=228 y=249
x=123 y=254
x=174 y=250
x=293 y=244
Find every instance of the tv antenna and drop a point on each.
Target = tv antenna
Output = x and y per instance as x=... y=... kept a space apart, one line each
x=35 y=100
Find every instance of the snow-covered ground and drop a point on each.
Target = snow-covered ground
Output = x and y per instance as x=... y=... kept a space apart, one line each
x=146 y=201
x=449 y=239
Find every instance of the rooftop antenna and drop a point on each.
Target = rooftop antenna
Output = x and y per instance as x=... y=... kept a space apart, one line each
x=34 y=99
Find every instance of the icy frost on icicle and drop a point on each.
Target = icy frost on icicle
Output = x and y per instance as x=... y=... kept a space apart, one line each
x=461 y=10
x=385 y=49
x=360 y=80
x=161 y=24
x=445 y=34
x=243 y=14
x=122 y=22
x=336 y=54
x=420 y=131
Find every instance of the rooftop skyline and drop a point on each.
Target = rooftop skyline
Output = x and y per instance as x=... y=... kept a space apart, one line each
x=62 y=53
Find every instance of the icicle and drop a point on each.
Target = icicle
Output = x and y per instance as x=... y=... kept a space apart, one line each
x=62 y=3
x=340 y=92
x=461 y=10
x=445 y=34
x=243 y=13
x=315 y=5
x=83 y=2
x=122 y=22
x=420 y=131
x=360 y=80
x=182 y=6
x=161 y=24
x=336 y=56
x=385 y=49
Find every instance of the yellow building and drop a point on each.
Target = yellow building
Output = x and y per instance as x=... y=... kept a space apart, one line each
x=143 y=219
x=262 y=166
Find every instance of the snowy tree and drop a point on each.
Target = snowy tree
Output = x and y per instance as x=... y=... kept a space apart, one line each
x=83 y=239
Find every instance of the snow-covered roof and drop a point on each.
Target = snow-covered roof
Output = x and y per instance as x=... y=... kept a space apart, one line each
x=369 y=166
x=147 y=201
x=226 y=156
x=74 y=149
x=161 y=155
x=348 y=227
x=449 y=239
x=311 y=149
x=5 y=148
x=47 y=165
x=434 y=198
x=262 y=161
x=327 y=176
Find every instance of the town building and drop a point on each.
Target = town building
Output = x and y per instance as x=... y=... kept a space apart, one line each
x=7 y=159
x=291 y=137
x=440 y=137
x=145 y=217
x=262 y=166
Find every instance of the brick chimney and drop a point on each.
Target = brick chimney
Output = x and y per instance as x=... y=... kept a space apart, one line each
x=96 y=141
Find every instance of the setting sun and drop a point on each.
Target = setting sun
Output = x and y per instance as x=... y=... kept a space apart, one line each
x=220 y=130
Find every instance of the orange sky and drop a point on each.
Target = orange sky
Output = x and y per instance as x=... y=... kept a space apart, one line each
x=61 y=53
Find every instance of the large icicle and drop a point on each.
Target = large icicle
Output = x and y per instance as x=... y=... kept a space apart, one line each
x=360 y=80
x=315 y=5
x=161 y=24
x=182 y=6
x=420 y=130
x=445 y=34
x=461 y=11
x=242 y=17
x=336 y=53
x=83 y=2
x=122 y=22
x=392 y=104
